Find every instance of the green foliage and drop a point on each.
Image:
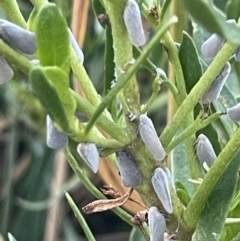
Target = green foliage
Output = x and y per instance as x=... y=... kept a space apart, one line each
x=52 y=38
x=51 y=85
x=212 y=19
x=206 y=204
x=190 y=63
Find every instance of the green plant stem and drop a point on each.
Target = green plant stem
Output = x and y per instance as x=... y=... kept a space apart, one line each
x=13 y=12
x=8 y=179
x=198 y=124
x=180 y=83
x=15 y=58
x=96 y=137
x=38 y=3
x=110 y=127
x=88 y=184
x=122 y=52
x=174 y=59
x=127 y=75
x=193 y=211
x=156 y=89
x=197 y=92
x=153 y=69
x=80 y=218
x=164 y=10
x=84 y=81
x=148 y=63
x=172 y=87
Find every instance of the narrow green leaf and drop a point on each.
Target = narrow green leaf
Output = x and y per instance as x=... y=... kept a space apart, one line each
x=53 y=42
x=190 y=63
x=180 y=168
x=98 y=9
x=205 y=13
x=183 y=196
x=233 y=9
x=52 y=88
x=218 y=204
x=136 y=235
x=80 y=218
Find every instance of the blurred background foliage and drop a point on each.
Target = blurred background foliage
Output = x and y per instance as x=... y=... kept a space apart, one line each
x=33 y=178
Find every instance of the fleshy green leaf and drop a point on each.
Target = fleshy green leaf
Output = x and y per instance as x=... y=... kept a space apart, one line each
x=52 y=37
x=52 y=88
x=190 y=63
x=218 y=204
x=183 y=196
x=233 y=9
x=180 y=166
x=136 y=235
x=205 y=13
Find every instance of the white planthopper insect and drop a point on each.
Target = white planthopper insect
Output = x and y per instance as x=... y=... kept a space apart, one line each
x=205 y=151
x=55 y=138
x=130 y=174
x=89 y=153
x=150 y=138
x=161 y=187
x=157 y=224
x=76 y=47
x=237 y=54
x=81 y=117
x=214 y=43
x=234 y=112
x=215 y=88
x=133 y=23
x=6 y=72
x=161 y=73
x=211 y=46
x=17 y=37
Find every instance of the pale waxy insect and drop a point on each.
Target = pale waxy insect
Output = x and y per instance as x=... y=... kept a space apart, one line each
x=130 y=174
x=211 y=46
x=161 y=187
x=6 y=72
x=161 y=72
x=234 y=112
x=214 y=43
x=215 y=88
x=204 y=150
x=81 y=117
x=76 y=47
x=157 y=224
x=17 y=37
x=237 y=54
x=133 y=23
x=55 y=138
x=89 y=153
x=150 y=138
